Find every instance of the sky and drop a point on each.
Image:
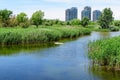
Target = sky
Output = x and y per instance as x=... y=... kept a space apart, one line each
x=55 y=9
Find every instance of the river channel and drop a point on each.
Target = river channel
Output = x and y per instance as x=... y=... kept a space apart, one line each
x=68 y=61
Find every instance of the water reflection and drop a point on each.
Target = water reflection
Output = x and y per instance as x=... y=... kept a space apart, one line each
x=68 y=61
x=101 y=72
x=12 y=50
x=104 y=74
x=103 y=35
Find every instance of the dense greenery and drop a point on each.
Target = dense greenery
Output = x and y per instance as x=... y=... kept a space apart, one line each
x=48 y=33
x=37 y=18
x=75 y=22
x=50 y=22
x=106 y=18
x=85 y=22
x=5 y=17
x=42 y=34
x=22 y=20
x=117 y=23
x=106 y=52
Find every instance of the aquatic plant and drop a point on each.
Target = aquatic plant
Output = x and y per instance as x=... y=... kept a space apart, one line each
x=43 y=34
x=106 y=52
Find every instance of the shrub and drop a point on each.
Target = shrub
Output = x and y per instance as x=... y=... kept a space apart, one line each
x=113 y=28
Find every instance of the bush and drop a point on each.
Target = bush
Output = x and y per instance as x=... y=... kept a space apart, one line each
x=113 y=28
x=75 y=22
x=117 y=23
x=24 y=25
x=85 y=22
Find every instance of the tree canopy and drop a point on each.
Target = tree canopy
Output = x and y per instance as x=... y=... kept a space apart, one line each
x=22 y=17
x=85 y=21
x=106 y=18
x=37 y=18
x=5 y=14
x=75 y=22
x=22 y=20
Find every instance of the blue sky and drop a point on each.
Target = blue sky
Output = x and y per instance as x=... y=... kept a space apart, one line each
x=55 y=9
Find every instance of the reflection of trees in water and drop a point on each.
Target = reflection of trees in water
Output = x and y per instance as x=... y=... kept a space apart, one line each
x=104 y=74
x=9 y=50
x=104 y=35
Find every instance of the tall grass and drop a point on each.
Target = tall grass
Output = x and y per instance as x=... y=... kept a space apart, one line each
x=106 y=52
x=32 y=35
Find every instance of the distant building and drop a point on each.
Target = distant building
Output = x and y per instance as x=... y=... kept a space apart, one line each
x=67 y=14
x=71 y=14
x=96 y=15
x=86 y=12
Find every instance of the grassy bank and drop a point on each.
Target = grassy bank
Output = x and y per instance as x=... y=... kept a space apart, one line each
x=9 y=36
x=106 y=52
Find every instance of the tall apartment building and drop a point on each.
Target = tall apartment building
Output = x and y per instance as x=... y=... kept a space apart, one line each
x=96 y=15
x=86 y=12
x=71 y=14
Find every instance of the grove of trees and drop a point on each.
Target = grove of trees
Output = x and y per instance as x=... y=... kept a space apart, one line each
x=7 y=19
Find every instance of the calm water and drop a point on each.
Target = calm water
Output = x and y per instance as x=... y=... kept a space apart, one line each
x=68 y=61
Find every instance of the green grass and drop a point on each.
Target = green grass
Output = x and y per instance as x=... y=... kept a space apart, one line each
x=101 y=30
x=106 y=52
x=43 y=34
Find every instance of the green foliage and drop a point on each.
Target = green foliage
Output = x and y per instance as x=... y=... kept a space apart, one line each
x=22 y=20
x=5 y=16
x=102 y=30
x=106 y=52
x=12 y=21
x=114 y=28
x=22 y=17
x=106 y=18
x=24 y=24
x=92 y=23
x=9 y=36
x=51 y=22
x=75 y=22
x=37 y=18
x=116 y=23
x=85 y=22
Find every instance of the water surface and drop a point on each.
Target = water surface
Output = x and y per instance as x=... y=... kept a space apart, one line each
x=68 y=61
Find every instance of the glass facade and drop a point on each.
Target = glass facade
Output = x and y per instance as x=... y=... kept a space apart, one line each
x=86 y=12
x=71 y=14
x=96 y=15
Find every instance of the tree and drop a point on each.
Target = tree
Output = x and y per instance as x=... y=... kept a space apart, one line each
x=37 y=18
x=75 y=22
x=106 y=18
x=22 y=20
x=22 y=17
x=85 y=21
x=5 y=16
x=12 y=21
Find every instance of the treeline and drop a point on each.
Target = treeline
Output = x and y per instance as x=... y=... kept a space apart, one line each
x=8 y=19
